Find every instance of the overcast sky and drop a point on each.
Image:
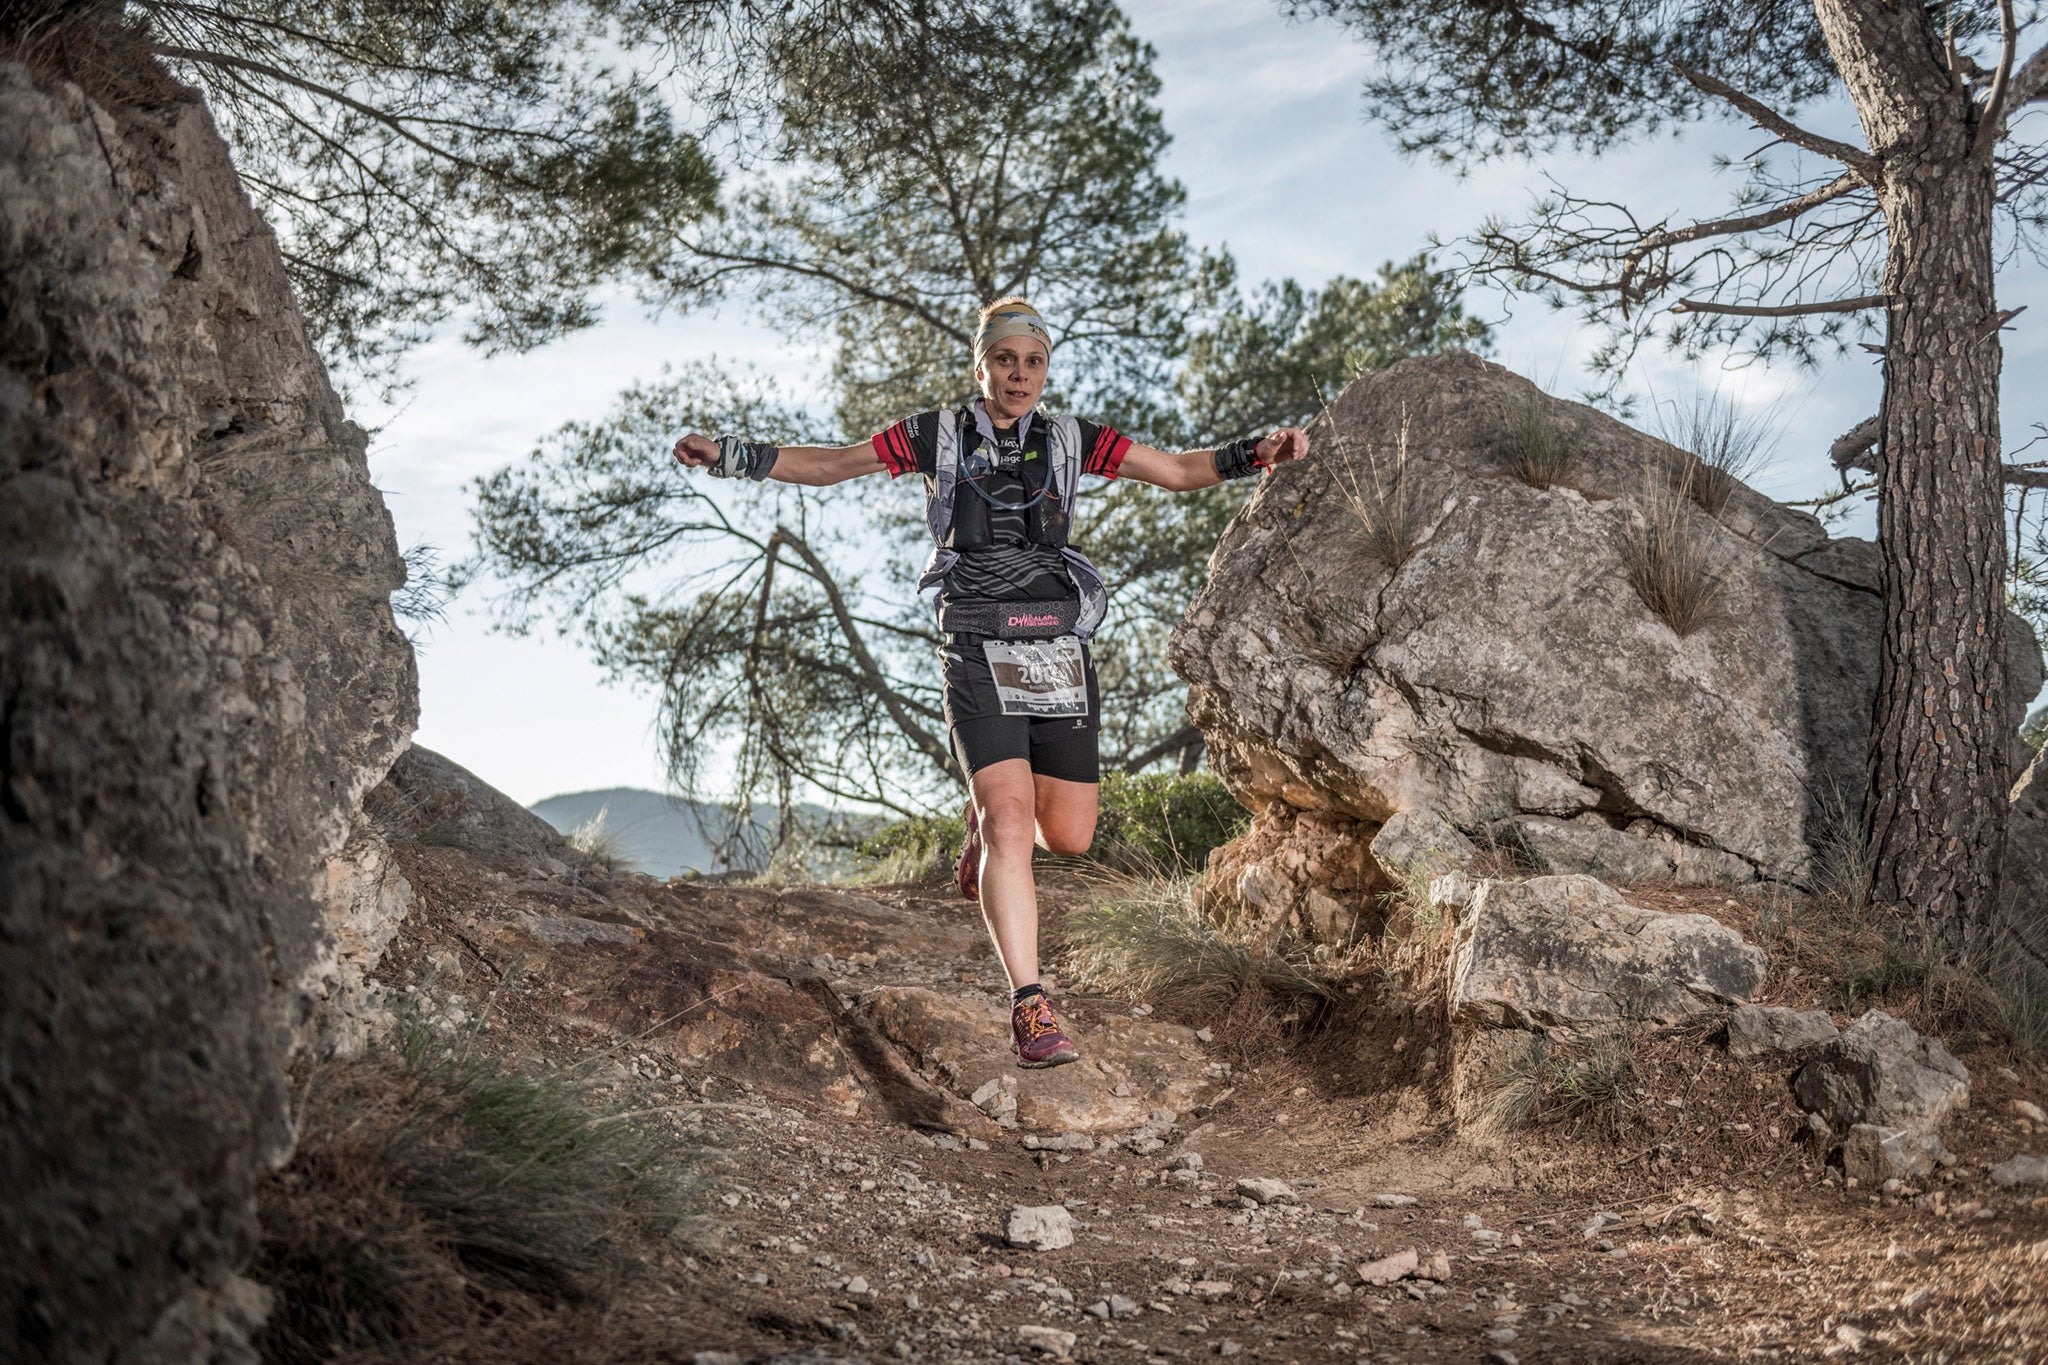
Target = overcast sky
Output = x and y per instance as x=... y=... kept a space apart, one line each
x=1280 y=165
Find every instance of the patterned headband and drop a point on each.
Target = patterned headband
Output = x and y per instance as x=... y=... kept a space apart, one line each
x=1011 y=322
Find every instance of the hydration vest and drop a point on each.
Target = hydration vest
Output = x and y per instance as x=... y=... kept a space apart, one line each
x=958 y=516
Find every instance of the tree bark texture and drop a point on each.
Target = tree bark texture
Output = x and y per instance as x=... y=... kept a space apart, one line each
x=1940 y=754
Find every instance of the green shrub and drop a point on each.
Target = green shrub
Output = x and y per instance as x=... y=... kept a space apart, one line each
x=1163 y=824
x=921 y=848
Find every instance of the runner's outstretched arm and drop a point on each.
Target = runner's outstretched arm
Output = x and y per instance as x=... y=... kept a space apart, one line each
x=815 y=466
x=1191 y=469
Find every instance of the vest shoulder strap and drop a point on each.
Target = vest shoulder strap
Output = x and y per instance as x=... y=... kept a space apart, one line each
x=938 y=509
x=1063 y=452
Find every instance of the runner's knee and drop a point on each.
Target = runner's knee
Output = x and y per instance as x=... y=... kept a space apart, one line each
x=1007 y=824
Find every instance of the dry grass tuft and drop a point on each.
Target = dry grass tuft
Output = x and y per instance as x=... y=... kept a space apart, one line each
x=1536 y=449
x=597 y=841
x=1729 y=446
x=433 y=1197
x=1555 y=1080
x=1147 y=938
x=1384 y=501
x=1675 y=559
x=111 y=59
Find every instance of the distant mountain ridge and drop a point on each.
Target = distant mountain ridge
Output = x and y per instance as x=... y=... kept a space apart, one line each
x=658 y=834
x=665 y=836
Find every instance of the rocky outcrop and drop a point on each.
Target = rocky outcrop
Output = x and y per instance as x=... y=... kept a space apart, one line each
x=1506 y=668
x=201 y=680
x=1885 y=1072
x=1572 y=953
x=1297 y=869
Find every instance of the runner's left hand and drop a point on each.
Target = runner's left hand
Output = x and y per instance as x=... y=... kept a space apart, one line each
x=1288 y=443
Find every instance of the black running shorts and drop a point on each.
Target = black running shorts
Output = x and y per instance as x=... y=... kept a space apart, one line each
x=1062 y=747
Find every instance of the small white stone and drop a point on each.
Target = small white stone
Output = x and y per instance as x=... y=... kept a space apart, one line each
x=1046 y=1228
x=1050 y=1340
x=1388 y=1269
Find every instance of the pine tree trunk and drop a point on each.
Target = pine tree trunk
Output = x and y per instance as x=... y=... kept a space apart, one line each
x=1940 y=753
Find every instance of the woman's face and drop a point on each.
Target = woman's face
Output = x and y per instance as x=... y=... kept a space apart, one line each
x=1012 y=376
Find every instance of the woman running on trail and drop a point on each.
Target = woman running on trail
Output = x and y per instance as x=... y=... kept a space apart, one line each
x=1016 y=607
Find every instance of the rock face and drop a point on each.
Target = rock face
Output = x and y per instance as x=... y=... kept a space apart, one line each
x=1883 y=1071
x=1567 y=952
x=1508 y=668
x=201 y=679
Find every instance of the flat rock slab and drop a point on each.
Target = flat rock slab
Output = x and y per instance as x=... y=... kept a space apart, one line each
x=1261 y=1190
x=1046 y=1228
x=1129 y=1070
x=1564 y=952
x=1762 y=1030
x=1886 y=1072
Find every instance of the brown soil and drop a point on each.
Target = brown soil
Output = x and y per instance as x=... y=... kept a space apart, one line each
x=843 y=1220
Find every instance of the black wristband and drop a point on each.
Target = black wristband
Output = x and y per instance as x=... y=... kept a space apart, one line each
x=739 y=459
x=1238 y=459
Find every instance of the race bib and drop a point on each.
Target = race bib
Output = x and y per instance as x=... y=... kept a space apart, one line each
x=1039 y=677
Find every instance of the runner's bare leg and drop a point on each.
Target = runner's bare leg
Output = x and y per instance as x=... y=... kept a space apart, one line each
x=1020 y=809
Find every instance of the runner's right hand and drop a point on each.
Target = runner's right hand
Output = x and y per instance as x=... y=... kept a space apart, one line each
x=695 y=451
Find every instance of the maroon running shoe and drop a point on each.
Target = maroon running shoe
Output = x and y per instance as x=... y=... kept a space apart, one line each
x=1037 y=1034
x=968 y=871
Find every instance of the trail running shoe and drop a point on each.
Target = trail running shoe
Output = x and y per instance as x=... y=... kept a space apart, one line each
x=1037 y=1034
x=968 y=872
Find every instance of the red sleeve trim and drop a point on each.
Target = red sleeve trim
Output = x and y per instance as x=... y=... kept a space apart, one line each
x=892 y=448
x=1107 y=456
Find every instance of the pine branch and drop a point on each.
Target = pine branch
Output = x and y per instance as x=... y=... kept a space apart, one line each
x=1990 y=128
x=1780 y=310
x=1867 y=167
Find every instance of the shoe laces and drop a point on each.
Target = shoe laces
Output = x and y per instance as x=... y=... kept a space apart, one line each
x=1037 y=1017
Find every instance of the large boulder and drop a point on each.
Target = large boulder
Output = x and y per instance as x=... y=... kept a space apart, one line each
x=201 y=679
x=1508 y=668
x=1571 y=952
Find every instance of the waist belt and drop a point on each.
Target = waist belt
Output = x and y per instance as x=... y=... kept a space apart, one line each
x=1010 y=620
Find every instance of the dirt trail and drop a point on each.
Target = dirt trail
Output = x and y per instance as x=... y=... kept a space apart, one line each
x=824 y=1043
